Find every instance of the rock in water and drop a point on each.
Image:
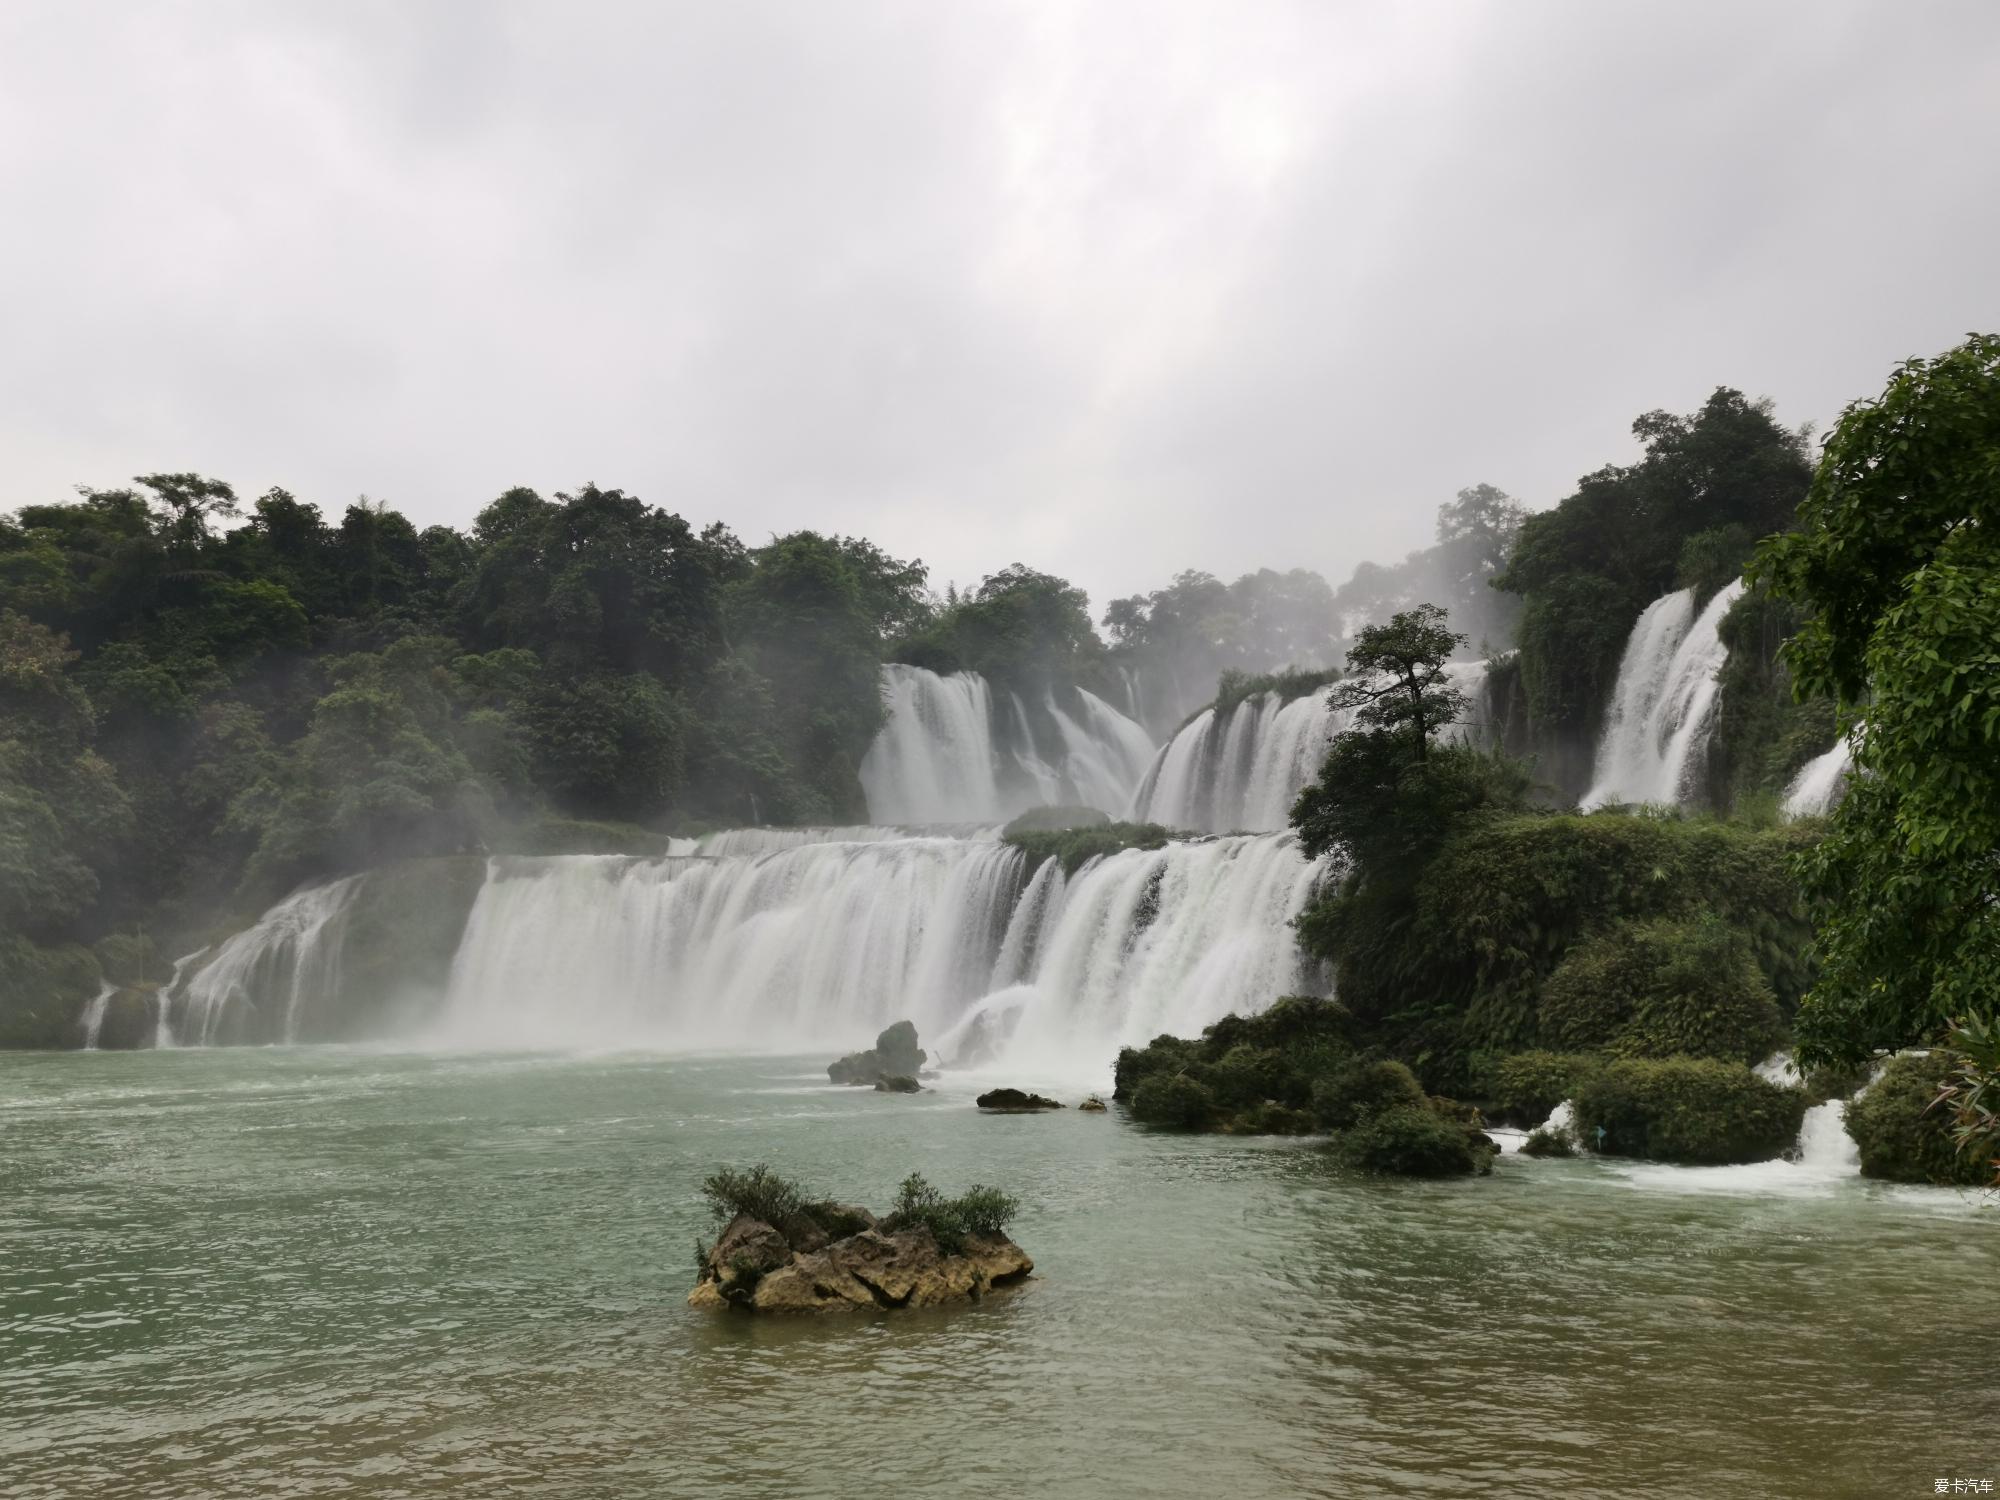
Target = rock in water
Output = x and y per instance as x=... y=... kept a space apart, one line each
x=1092 y=1105
x=1014 y=1101
x=894 y=1055
x=898 y=1085
x=753 y=1267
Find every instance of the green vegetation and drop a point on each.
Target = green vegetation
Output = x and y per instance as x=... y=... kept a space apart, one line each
x=1474 y=534
x=1528 y=1085
x=1903 y=1125
x=1896 y=565
x=1074 y=847
x=1293 y=1071
x=978 y=1212
x=1297 y=682
x=1693 y=1110
x=1684 y=515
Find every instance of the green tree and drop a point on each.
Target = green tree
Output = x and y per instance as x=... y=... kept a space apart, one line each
x=1896 y=560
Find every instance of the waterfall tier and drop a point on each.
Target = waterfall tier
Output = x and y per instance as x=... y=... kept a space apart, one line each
x=1820 y=784
x=955 y=751
x=1663 y=708
x=809 y=946
x=1242 y=769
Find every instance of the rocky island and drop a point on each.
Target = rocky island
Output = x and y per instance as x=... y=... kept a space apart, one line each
x=780 y=1252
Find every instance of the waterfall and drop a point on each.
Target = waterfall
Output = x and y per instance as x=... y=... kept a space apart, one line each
x=263 y=980
x=1240 y=770
x=1663 y=707
x=1818 y=787
x=950 y=752
x=810 y=946
x=93 y=1014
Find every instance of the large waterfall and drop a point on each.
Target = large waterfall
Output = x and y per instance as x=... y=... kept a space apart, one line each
x=812 y=945
x=954 y=751
x=1664 y=705
x=1240 y=769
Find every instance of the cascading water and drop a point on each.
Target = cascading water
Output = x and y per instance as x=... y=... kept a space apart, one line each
x=265 y=979
x=1820 y=784
x=813 y=945
x=93 y=1015
x=1663 y=707
x=950 y=752
x=1240 y=770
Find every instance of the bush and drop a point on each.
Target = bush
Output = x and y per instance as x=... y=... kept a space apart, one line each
x=761 y=1194
x=43 y=992
x=1663 y=989
x=1164 y=1054
x=1245 y=1077
x=1902 y=1138
x=1547 y=1142
x=1074 y=847
x=1411 y=1141
x=1528 y=1085
x=1360 y=1089
x=1174 y=1100
x=1686 y=1109
x=982 y=1211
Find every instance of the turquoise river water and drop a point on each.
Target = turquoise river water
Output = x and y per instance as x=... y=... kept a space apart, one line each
x=323 y=1272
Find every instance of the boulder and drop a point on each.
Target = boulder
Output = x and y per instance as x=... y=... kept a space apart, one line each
x=1092 y=1105
x=753 y=1267
x=894 y=1055
x=1014 y=1101
x=898 y=1085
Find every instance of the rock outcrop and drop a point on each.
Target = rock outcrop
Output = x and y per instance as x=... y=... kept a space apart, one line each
x=1014 y=1101
x=894 y=1055
x=1092 y=1105
x=901 y=1084
x=755 y=1268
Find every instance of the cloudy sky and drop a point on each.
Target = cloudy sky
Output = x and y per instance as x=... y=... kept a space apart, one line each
x=1114 y=289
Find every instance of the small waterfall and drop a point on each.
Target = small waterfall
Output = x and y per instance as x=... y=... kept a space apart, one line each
x=1663 y=707
x=93 y=1014
x=1239 y=771
x=950 y=752
x=263 y=980
x=1820 y=784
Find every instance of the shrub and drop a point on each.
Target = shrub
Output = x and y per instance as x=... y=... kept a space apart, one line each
x=1663 y=989
x=761 y=1194
x=1546 y=1142
x=1411 y=1141
x=1164 y=1054
x=1360 y=1089
x=951 y=1221
x=1074 y=847
x=1175 y=1100
x=1901 y=1136
x=1528 y=1085
x=1244 y=1077
x=1686 y=1109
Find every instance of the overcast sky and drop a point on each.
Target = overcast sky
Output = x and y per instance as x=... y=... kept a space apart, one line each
x=1111 y=289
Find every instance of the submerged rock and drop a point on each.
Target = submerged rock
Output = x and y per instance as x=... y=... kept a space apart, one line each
x=1014 y=1101
x=894 y=1055
x=753 y=1267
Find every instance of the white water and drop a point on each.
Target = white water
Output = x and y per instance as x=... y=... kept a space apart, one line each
x=1820 y=784
x=1240 y=770
x=93 y=1015
x=1663 y=706
x=950 y=752
x=818 y=945
x=263 y=980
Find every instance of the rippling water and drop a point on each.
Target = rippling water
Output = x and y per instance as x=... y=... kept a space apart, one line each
x=322 y=1272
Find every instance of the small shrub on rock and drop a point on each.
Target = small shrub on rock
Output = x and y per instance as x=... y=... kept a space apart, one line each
x=951 y=1221
x=1245 y=1077
x=1412 y=1141
x=1547 y=1142
x=1684 y=1109
x=1358 y=1089
x=1528 y=1085
x=1902 y=1137
x=1174 y=1100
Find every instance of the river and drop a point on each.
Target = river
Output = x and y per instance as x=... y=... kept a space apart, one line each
x=333 y=1272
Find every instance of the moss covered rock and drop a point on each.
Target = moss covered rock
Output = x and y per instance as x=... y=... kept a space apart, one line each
x=43 y=991
x=1663 y=989
x=1698 y=1111
x=1901 y=1137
